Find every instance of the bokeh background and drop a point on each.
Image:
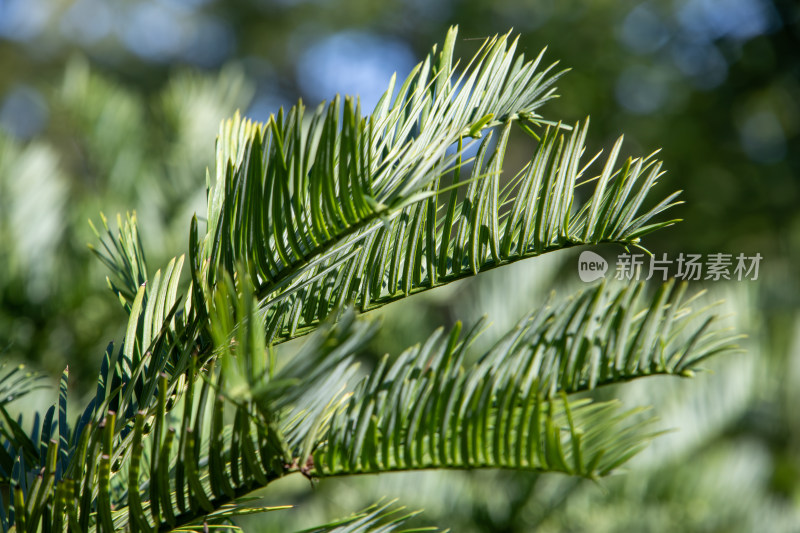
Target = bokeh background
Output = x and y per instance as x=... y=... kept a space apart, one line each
x=114 y=106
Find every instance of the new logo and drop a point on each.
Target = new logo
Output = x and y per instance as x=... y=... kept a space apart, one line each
x=591 y=266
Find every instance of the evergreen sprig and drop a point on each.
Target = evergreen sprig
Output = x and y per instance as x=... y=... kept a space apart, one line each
x=312 y=218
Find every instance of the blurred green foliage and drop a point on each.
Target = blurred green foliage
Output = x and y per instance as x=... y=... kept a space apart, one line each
x=108 y=148
x=114 y=107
